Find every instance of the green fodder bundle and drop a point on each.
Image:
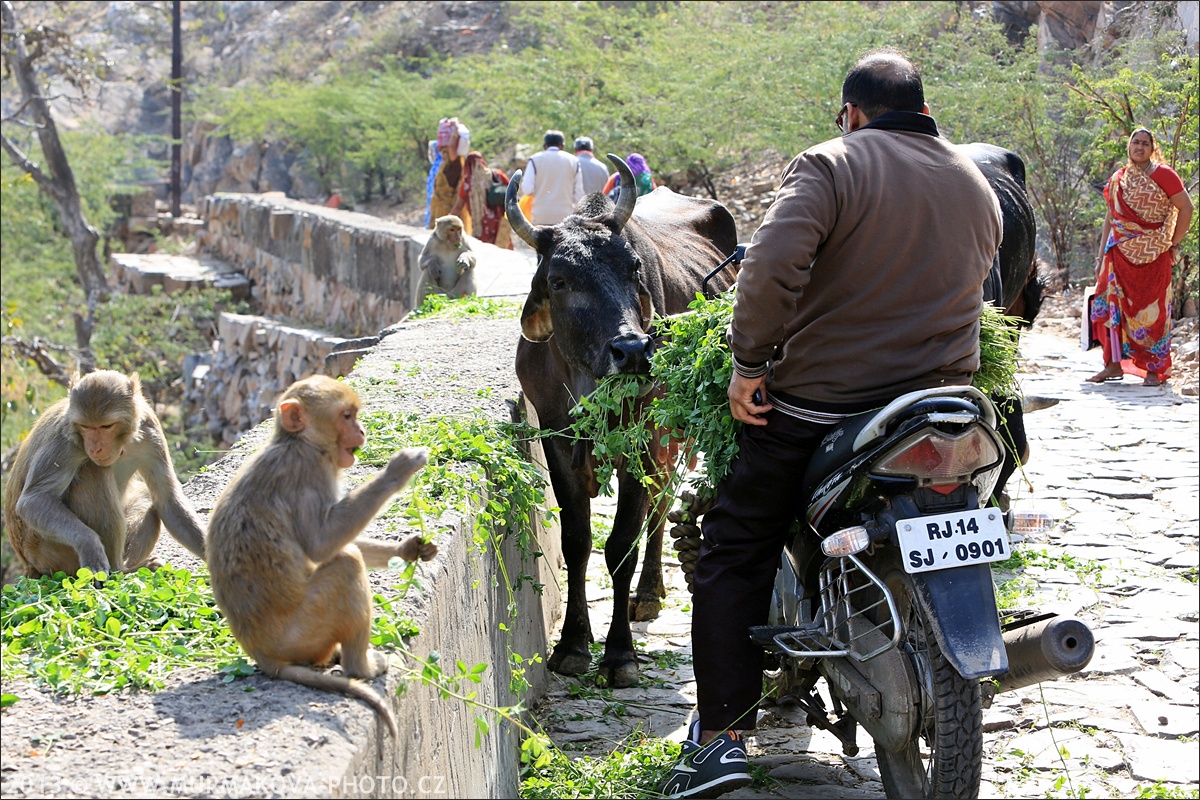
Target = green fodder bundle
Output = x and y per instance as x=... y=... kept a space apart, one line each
x=692 y=366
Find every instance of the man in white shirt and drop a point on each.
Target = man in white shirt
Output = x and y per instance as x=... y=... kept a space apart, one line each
x=595 y=174
x=555 y=181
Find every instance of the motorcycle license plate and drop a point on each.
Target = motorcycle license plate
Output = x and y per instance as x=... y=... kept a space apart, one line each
x=954 y=539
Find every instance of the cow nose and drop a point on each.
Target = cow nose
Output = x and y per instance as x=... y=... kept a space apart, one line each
x=631 y=353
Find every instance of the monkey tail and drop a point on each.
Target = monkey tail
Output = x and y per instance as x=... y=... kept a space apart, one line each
x=337 y=683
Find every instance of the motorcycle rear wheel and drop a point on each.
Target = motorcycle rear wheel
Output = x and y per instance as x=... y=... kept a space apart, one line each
x=945 y=759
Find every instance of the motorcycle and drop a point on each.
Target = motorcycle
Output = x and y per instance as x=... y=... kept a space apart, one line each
x=885 y=591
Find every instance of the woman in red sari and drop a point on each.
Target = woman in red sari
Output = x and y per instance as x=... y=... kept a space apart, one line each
x=1148 y=215
x=489 y=223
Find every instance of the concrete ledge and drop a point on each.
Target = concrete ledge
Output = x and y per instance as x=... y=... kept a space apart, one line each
x=258 y=737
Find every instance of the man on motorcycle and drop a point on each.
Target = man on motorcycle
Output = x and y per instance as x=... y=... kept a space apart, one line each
x=863 y=282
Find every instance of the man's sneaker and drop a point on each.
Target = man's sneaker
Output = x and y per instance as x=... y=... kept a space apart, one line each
x=709 y=771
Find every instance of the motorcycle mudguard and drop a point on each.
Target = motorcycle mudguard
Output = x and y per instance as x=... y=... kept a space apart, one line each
x=963 y=616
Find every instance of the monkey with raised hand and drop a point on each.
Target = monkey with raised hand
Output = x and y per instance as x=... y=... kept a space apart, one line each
x=92 y=482
x=286 y=564
x=447 y=259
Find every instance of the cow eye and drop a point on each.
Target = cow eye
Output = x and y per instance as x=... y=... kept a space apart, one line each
x=557 y=283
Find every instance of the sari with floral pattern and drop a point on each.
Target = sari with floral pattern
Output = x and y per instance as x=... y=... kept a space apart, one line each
x=1131 y=310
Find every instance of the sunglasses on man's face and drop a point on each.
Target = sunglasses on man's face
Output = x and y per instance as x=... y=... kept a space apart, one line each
x=841 y=117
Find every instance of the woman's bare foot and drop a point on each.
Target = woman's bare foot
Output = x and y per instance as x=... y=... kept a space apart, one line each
x=1152 y=379
x=1111 y=372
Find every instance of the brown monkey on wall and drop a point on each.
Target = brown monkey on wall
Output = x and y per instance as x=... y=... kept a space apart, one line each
x=286 y=566
x=447 y=260
x=93 y=480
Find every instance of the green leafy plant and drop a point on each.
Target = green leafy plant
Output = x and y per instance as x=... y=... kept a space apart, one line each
x=440 y=306
x=633 y=769
x=100 y=633
x=1161 y=791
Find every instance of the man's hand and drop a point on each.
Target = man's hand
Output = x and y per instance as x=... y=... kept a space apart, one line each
x=741 y=399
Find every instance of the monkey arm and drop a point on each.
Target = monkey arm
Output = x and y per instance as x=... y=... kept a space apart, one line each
x=151 y=459
x=344 y=520
x=41 y=504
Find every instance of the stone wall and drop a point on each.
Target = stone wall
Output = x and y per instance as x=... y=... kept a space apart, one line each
x=254 y=360
x=348 y=273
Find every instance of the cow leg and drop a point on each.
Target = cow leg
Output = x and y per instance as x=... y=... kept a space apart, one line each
x=571 y=655
x=618 y=667
x=647 y=601
x=1011 y=427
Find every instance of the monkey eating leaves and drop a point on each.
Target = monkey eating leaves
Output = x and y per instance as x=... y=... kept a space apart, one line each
x=286 y=564
x=93 y=483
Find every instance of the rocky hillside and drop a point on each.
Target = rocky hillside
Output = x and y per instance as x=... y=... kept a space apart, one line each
x=234 y=42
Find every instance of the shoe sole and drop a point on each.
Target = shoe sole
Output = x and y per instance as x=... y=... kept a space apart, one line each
x=717 y=786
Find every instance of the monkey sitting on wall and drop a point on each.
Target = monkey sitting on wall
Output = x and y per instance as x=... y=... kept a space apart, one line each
x=92 y=482
x=447 y=260
x=286 y=565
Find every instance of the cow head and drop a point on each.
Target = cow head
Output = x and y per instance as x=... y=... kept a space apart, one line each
x=588 y=290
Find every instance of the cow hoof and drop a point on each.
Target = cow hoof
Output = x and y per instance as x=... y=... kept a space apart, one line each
x=643 y=608
x=620 y=676
x=568 y=662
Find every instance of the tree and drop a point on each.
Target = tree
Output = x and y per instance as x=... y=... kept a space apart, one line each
x=22 y=49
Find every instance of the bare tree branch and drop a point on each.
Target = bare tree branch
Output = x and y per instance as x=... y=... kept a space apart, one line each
x=22 y=161
x=38 y=351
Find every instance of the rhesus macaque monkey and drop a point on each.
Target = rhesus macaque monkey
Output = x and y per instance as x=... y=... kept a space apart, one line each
x=447 y=259
x=93 y=480
x=286 y=566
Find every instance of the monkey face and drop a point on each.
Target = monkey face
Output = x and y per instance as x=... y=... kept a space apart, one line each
x=450 y=230
x=103 y=443
x=350 y=436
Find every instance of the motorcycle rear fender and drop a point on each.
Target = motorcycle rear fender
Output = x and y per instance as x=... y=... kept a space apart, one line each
x=964 y=618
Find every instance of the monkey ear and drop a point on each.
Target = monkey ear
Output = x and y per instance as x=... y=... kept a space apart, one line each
x=135 y=383
x=291 y=415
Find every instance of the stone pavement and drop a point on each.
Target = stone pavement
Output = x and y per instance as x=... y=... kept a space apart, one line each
x=1117 y=464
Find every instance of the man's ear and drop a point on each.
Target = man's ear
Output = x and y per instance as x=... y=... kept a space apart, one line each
x=291 y=415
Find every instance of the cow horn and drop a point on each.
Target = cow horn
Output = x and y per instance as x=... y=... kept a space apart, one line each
x=628 y=194
x=516 y=217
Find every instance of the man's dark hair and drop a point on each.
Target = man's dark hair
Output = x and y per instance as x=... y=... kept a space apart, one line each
x=883 y=81
x=553 y=139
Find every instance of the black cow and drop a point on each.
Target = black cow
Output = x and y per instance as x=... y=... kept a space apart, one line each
x=1014 y=284
x=602 y=274
x=1019 y=292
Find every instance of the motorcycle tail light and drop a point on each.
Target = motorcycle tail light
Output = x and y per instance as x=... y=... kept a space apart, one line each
x=846 y=542
x=936 y=457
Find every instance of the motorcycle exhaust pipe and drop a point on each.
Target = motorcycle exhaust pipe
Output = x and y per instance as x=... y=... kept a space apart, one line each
x=1044 y=650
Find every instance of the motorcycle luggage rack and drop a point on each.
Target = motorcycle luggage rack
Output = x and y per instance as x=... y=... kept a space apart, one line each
x=840 y=629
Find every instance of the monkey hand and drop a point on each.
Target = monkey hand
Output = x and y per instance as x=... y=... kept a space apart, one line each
x=465 y=262
x=413 y=547
x=92 y=556
x=405 y=464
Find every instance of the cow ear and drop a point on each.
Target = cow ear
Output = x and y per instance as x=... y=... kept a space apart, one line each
x=646 y=302
x=536 y=324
